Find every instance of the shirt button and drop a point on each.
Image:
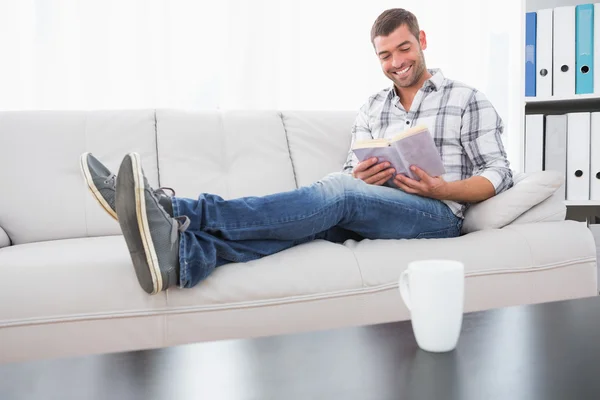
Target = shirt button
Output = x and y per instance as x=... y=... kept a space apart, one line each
x=407 y=122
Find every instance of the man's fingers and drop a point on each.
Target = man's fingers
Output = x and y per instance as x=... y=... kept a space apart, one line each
x=366 y=164
x=420 y=173
x=405 y=188
x=408 y=182
x=383 y=175
x=381 y=182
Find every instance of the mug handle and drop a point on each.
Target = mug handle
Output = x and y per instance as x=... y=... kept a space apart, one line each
x=404 y=289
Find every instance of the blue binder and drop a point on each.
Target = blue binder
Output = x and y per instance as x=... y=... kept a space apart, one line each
x=530 y=67
x=584 y=49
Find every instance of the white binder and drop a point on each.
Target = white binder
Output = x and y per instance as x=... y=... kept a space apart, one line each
x=578 y=156
x=564 y=51
x=555 y=149
x=534 y=142
x=595 y=157
x=596 y=48
x=544 y=35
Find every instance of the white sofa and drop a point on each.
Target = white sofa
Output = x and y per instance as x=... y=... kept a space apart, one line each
x=68 y=288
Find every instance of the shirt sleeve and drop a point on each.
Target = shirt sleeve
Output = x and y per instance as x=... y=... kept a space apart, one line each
x=360 y=131
x=481 y=135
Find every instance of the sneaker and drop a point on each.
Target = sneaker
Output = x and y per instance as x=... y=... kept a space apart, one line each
x=151 y=234
x=102 y=184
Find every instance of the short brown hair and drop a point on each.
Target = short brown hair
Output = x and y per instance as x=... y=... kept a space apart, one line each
x=389 y=20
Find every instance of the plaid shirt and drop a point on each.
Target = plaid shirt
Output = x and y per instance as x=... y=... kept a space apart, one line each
x=464 y=124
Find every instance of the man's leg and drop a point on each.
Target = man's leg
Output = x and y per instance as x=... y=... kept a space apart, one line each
x=335 y=208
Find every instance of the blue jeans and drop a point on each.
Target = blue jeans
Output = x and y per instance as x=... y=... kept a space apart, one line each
x=336 y=208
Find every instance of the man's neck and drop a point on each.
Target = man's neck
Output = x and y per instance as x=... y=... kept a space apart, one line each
x=407 y=94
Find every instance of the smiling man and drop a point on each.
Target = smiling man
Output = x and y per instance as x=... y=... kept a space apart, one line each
x=465 y=126
x=175 y=241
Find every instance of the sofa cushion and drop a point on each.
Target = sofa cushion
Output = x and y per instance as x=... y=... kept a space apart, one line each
x=513 y=251
x=44 y=194
x=229 y=153
x=500 y=210
x=96 y=281
x=308 y=271
x=319 y=142
x=71 y=279
x=551 y=209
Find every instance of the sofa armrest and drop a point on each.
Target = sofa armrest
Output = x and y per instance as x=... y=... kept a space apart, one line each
x=4 y=239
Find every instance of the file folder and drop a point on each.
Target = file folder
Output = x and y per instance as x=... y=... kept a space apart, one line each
x=543 y=49
x=530 y=68
x=595 y=157
x=534 y=142
x=584 y=49
x=555 y=148
x=596 y=48
x=578 y=156
x=564 y=51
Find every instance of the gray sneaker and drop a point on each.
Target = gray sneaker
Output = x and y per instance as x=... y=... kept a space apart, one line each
x=102 y=184
x=151 y=234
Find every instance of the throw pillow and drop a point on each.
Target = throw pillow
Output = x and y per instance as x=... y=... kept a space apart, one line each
x=528 y=190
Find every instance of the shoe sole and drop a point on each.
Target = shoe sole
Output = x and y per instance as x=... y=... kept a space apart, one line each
x=93 y=189
x=144 y=226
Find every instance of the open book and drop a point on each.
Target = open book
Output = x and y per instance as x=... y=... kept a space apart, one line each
x=414 y=146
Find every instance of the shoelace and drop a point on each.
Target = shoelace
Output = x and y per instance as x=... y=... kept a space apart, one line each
x=183 y=222
x=112 y=180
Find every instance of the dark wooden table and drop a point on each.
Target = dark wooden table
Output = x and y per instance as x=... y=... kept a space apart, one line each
x=547 y=351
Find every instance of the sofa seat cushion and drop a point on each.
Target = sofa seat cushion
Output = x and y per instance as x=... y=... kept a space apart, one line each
x=71 y=279
x=96 y=280
x=513 y=250
x=318 y=269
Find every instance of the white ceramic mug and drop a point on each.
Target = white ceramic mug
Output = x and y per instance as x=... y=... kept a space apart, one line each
x=433 y=291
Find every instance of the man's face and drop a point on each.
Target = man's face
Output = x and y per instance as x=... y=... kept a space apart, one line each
x=401 y=56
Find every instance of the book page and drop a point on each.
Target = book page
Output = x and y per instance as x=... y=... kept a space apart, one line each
x=409 y=132
x=361 y=144
x=420 y=150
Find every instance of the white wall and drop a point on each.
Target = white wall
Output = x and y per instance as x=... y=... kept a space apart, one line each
x=264 y=54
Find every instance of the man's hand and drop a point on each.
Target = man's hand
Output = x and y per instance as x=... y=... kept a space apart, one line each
x=428 y=186
x=373 y=173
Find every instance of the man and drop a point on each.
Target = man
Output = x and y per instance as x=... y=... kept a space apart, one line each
x=180 y=241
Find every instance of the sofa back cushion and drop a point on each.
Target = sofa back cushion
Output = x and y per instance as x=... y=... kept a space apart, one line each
x=43 y=194
x=229 y=153
x=319 y=142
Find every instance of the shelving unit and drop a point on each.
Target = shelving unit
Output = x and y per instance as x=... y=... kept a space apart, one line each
x=564 y=105
x=583 y=203
x=572 y=100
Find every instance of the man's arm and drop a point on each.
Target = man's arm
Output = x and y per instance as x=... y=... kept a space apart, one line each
x=471 y=190
x=481 y=132
x=481 y=135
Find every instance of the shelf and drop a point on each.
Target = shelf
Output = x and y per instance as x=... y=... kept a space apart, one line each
x=556 y=99
x=562 y=104
x=588 y=203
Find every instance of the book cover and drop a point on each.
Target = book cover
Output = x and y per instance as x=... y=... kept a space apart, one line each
x=414 y=146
